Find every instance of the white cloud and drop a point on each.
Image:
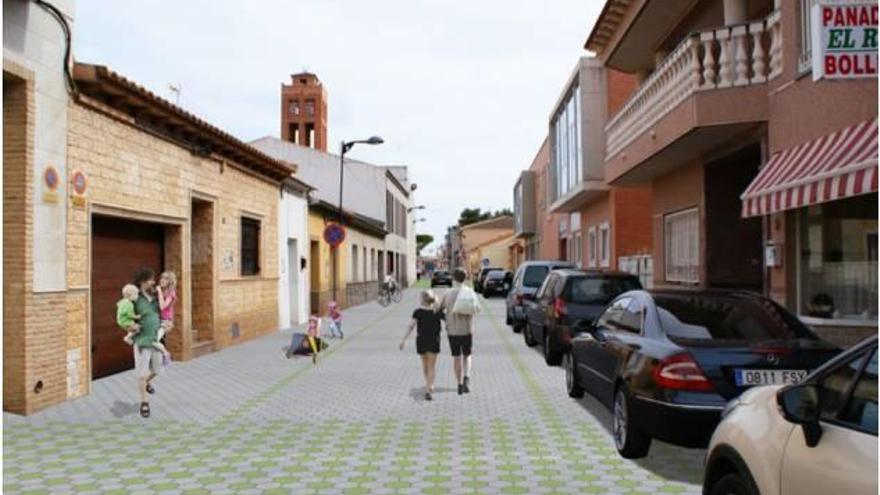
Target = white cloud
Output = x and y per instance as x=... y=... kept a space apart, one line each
x=460 y=91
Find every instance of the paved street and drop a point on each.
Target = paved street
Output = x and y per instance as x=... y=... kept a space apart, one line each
x=246 y=420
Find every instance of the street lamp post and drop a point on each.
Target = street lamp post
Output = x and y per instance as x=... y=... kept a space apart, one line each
x=344 y=147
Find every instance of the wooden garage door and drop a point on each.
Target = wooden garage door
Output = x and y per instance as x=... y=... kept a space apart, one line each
x=119 y=249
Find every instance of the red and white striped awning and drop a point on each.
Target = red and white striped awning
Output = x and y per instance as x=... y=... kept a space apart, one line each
x=836 y=166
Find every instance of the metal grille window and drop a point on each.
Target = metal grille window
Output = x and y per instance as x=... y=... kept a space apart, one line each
x=250 y=246
x=605 y=245
x=681 y=237
x=591 y=247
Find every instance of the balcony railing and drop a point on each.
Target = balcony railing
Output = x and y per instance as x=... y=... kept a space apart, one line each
x=730 y=56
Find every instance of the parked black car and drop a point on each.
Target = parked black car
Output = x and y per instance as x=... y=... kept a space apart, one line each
x=441 y=277
x=481 y=276
x=566 y=297
x=667 y=361
x=496 y=282
x=526 y=282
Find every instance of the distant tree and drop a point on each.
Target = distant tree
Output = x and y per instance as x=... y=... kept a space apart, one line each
x=423 y=240
x=472 y=215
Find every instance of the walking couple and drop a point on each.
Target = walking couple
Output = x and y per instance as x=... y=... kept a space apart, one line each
x=457 y=307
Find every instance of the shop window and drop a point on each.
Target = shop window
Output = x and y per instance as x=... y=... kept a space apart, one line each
x=605 y=245
x=838 y=259
x=681 y=237
x=250 y=246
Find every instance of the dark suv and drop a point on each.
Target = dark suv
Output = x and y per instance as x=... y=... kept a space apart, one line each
x=567 y=297
x=441 y=277
x=527 y=280
x=481 y=277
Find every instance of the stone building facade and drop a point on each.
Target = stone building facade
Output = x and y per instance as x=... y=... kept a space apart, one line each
x=149 y=186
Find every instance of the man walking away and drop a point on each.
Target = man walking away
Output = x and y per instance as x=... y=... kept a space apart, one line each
x=459 y=306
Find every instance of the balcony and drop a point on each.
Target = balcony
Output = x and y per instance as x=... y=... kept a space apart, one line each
x=711 y=86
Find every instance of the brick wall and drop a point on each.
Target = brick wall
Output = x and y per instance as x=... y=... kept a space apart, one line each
x=631 y=224
x=18 y=117
x=620 y=86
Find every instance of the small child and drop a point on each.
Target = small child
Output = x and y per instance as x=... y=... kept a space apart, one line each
x=125 y=315
x=167 y=295
x=426 y=322
x=335 y=317
x=312 y=335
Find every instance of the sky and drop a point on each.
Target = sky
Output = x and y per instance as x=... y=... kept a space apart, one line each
x=461 y=91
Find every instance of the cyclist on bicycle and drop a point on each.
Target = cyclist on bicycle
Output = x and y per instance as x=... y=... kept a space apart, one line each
x=390 y=285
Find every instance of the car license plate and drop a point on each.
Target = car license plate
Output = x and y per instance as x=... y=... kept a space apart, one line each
x=748 y=378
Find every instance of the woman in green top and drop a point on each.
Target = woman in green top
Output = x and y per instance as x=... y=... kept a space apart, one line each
x=147 y=359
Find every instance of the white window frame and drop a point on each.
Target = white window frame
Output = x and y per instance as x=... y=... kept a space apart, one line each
x=604 y=242
x=805 y=36
x=592 y=247
x=578 y=249
x=688 y=223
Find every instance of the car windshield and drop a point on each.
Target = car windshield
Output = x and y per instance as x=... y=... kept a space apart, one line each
x=599 y=290
x=534 y=276
x=700 y=317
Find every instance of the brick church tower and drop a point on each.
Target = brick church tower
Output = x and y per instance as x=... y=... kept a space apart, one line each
x=304 y=111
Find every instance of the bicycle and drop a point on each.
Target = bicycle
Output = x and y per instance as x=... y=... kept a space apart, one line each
x=387 y=295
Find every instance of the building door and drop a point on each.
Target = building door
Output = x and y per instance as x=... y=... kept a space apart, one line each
x=201 y=252
x=734 y=252
x=315 y=276
x=293 y=280
x=119 y=249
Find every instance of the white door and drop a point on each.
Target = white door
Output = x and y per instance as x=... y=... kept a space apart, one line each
x=845 y=459
x=293 y=280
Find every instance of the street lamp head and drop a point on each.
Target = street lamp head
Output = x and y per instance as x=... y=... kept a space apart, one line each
x=411 y=208
x=375 y=140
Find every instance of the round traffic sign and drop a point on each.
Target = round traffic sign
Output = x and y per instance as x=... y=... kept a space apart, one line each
x=79 y=182
x=334 y=234
x=50 y=178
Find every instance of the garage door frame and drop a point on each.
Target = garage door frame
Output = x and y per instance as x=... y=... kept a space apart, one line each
x=98 y=209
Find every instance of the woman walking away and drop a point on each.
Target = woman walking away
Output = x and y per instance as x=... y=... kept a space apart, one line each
x=426 y=322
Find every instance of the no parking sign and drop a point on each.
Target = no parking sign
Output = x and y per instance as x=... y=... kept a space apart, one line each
x=334 y=234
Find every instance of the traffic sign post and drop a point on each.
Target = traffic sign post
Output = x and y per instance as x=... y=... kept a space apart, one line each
x=334 y=234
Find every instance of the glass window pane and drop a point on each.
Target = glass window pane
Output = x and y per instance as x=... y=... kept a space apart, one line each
x=838 y=259
x=861 y=410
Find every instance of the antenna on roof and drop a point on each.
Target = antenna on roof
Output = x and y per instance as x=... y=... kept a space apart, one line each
x=176 y=90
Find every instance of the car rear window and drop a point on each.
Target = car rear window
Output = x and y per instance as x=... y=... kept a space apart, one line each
x=441 y=274
x=599 y=290
x=535 y=275
x=700 y=317
x=495 y=275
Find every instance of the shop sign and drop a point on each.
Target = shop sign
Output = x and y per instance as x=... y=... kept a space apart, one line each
x=51 y=178
x=844 y=39
x=78 y=186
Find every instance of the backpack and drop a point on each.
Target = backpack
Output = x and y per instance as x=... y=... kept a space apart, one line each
x=465 y=302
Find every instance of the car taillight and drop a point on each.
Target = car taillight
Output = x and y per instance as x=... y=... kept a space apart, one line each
x=559 y=308
x=681 y=372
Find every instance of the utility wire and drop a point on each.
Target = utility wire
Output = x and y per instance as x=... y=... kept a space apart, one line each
x=68 y=77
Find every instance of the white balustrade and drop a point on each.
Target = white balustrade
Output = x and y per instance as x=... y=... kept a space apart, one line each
x=725 y=57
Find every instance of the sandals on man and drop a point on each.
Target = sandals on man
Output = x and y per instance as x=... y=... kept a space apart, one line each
x=145 y=409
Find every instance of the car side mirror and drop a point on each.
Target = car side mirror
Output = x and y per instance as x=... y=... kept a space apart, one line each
x=587 y=326
x=800 y=405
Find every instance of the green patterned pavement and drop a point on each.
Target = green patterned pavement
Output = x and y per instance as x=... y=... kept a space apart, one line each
x=354 y=424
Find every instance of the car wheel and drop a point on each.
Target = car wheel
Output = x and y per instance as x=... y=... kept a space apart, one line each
x=731 y=484
x=630 y=442
x=552 y=356
x=527 y=335
x=572 y=384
